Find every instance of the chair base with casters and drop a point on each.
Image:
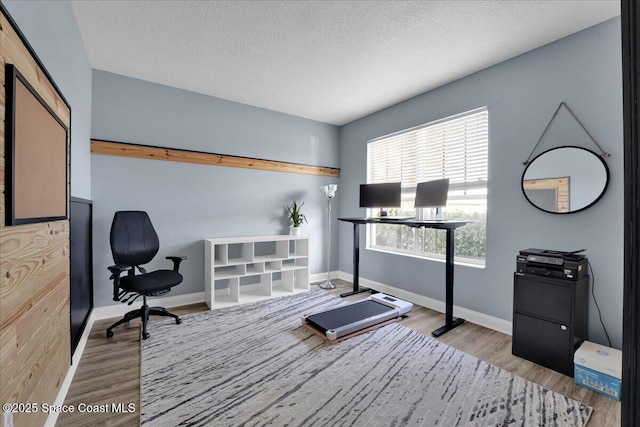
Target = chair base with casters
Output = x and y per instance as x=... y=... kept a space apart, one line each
x=134 y=242
x=129 y=288
x=143 y=313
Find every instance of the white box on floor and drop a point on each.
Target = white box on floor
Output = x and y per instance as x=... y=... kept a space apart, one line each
x=598 y=368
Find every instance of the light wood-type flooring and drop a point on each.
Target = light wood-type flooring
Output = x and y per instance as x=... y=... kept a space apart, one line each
x=109 y=371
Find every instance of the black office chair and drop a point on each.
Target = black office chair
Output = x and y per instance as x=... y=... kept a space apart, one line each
x=134 y=242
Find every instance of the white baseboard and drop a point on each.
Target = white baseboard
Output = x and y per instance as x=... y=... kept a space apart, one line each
x=319 y=277
x=472 y=316
x=119 y=310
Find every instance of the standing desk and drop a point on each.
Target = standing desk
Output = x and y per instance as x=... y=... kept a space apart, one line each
x=449 y=226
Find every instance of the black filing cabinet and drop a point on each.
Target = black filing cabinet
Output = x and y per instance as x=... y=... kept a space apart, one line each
x=549 y=319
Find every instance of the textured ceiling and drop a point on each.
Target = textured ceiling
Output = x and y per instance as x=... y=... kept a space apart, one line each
x=331 y=61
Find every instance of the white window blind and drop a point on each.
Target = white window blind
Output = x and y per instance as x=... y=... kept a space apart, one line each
x=455 y=148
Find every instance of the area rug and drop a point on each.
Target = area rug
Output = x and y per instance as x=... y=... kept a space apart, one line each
x=255 y=365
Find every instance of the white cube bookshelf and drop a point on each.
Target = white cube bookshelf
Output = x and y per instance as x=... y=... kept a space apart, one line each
x=247 y=269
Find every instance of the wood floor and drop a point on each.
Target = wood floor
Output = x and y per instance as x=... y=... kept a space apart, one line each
x=109 y=371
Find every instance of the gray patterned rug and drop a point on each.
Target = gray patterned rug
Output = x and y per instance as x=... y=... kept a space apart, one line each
x=254 y=365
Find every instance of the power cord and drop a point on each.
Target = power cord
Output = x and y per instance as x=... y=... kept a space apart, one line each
x=593 y=287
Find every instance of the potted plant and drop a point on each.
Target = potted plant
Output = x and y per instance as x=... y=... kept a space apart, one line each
x=296 y=217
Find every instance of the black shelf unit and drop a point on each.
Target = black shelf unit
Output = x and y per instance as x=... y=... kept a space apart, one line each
x=549 y=319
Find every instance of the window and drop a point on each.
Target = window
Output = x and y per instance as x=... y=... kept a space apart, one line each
x=454 y=148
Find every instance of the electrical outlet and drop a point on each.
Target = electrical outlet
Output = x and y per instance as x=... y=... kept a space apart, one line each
x=8 y=419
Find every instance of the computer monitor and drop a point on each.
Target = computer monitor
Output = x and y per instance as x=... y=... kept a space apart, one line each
x=384 y=195
x=432 y=193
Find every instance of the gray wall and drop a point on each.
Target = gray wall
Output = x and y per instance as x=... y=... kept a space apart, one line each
x=583 y=70
x=51 y=29
x=188 y=202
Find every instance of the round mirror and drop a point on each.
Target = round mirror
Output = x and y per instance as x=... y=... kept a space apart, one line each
x=565 y=179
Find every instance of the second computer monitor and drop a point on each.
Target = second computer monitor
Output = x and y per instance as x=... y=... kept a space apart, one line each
x=432 y=193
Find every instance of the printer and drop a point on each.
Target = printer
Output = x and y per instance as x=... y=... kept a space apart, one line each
x=551 y=263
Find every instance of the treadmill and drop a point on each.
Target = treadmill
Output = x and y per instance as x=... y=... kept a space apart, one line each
x=342 y=321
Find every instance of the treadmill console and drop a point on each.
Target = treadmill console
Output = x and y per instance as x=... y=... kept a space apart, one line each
x=403 y=307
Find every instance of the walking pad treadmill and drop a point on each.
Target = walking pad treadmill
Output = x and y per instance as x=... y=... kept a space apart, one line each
x=339 y=322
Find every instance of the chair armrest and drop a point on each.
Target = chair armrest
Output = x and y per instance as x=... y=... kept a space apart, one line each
x=176 y=261
x=116 y=270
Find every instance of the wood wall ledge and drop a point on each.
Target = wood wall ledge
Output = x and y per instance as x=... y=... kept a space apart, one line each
x=111 y=148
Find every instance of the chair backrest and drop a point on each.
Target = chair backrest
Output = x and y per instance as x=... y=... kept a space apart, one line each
x=133 y=238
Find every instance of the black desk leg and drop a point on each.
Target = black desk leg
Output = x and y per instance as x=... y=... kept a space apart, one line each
x=356 y=264
x=450 y=322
